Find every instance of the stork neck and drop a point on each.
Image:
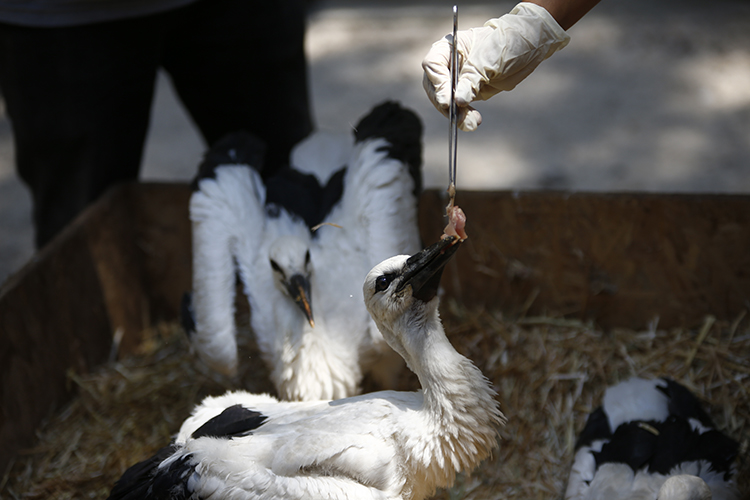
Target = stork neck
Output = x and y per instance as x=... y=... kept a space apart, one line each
x=447 y=377
x=460 y=416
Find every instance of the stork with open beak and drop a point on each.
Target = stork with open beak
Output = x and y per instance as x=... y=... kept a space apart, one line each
x=384 y=445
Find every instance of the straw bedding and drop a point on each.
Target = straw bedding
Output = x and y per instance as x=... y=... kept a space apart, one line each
x=549 y=373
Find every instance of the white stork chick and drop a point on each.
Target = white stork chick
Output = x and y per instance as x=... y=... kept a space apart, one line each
x=302 y=283
x=651 y=440
x=384 y=445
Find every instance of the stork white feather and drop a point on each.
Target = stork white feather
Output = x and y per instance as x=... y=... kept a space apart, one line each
x=322 y=154
x=384 y=445
x=637 y=399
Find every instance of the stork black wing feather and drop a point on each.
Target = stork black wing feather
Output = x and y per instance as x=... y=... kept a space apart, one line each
x=298 y=192
x=674 y=444
x=234 y=421
x=683 y=403
x=402 y=128
x=237 y=148
x=596 y=428
x=717 y=449
x=630 y=444
x=146 y=481
x=679 y=442
x=302 y=195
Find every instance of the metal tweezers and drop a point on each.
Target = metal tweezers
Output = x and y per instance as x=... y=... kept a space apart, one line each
x=453 y=113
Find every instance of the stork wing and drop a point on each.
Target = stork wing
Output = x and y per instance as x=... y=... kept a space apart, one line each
x=379 y=204
x=402 y=130
x=378 y=218
x=339 y=449
x=238 y=148
x=225 y=209
x=383 y=182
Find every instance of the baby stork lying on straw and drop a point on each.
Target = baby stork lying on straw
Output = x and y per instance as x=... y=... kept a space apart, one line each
x=652 y=440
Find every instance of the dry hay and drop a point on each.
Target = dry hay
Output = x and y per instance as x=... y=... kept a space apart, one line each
x=122 y=414
x=551 y=373
x=548 y=373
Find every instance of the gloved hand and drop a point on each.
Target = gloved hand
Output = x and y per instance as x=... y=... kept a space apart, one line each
x=495 y=57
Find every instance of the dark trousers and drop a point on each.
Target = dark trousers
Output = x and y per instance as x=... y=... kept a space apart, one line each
x=79 y=98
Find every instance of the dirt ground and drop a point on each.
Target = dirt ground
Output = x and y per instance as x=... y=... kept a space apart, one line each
x=648 y=96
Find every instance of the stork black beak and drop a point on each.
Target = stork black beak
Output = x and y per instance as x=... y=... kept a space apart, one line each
x=424 y=269
x=298 y=287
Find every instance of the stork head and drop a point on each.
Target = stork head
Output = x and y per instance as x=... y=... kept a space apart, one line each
x=289 y=258
x=400 y=292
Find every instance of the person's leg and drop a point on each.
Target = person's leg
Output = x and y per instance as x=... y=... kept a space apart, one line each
x=241 y=65
x=78 y=99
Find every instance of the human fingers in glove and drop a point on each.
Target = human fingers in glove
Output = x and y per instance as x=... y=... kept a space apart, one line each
x=498 y=55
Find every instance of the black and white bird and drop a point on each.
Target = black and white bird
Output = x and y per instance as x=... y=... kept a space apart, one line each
x=382 y=445
x=302 y=279
x=652 y=440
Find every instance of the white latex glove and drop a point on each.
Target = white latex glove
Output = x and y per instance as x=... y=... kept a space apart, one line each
x=495 y=57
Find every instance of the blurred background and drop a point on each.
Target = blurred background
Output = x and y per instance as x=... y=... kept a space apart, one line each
x=648 y=96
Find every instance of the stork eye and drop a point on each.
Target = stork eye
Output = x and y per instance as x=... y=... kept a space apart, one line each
x=276 y=267
x=307 y=258
x=383 y=282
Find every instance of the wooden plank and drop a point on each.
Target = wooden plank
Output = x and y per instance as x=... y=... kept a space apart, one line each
x=162 y=234
x=617 y=259
x=59 y=313
x=109 y=226
x=53 y=318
